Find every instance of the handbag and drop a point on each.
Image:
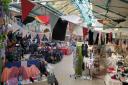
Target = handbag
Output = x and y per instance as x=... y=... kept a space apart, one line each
x=51 y=78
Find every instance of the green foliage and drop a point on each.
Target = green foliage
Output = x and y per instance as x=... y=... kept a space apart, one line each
x=5 y=4
x=2 y=38
x=78 y=69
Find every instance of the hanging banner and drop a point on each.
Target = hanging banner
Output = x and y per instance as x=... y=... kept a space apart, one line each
x=27 y=6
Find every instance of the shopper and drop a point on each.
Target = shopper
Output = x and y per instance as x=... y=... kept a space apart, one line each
x=85 y=49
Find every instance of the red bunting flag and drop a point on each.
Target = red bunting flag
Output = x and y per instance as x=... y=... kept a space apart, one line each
x=85 y=32
x=43 y=19
x=27 y=6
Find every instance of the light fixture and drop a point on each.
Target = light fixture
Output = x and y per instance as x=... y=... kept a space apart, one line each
x=104 y=21
x=116 y=29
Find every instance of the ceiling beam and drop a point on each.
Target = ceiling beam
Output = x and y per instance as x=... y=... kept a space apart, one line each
x=110 y=11
x=103 y=16
x=36 y=14
x=64 y=6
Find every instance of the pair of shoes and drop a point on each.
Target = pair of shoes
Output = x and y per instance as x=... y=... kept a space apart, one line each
x=84 y=77
x=89 y=77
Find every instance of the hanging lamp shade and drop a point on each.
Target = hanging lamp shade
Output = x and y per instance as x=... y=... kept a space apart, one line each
x=46 y=30
x=104 y=21
x=43 y=19
x=28 y=19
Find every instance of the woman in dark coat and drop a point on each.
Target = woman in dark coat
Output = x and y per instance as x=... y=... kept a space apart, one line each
x=85 y=50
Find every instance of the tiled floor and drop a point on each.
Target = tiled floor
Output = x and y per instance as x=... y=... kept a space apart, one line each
x=64 y=69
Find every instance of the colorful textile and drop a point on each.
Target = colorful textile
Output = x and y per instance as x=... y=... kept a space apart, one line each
x=14 y=72
x=32 y=62
x=12 y=81
x=13 y=64
x=34 y=71
x=0 y=67
x=5 y=74
x=24 y=72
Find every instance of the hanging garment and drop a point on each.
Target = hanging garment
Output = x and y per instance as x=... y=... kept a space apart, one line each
x=59 y=30
x=1 y=66
x=14 y=72
x=97 y=39
x=33 y=62
x=95 y=36
x=23 y=71
x=85 y=33
x=107 y=38
x=110 y=37
x=44 y=38
x=85 y=50
x=34 y=71
x=102 y=39
x=90 y=37
x=5 y=74
x=13 y=64
x=24 y=63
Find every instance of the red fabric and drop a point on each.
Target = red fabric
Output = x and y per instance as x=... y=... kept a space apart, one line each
x=65 y=51
x=85 y=32
x=34 y=71
x=14 y=72
x=110 y=69
x=23 y=71
x=12 y=81
x=27 y=6
x=43 y=19
x=5 y=74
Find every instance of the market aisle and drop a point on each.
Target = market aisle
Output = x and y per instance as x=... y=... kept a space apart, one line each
x=63 y=70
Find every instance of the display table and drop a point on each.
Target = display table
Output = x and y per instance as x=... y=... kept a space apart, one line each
x=109 y=81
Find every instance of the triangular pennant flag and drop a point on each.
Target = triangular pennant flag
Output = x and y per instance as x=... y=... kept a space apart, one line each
x=43 y=19
x=53 y=20
x=27 y=6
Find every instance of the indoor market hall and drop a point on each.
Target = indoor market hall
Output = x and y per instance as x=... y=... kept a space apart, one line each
x=63 y=42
